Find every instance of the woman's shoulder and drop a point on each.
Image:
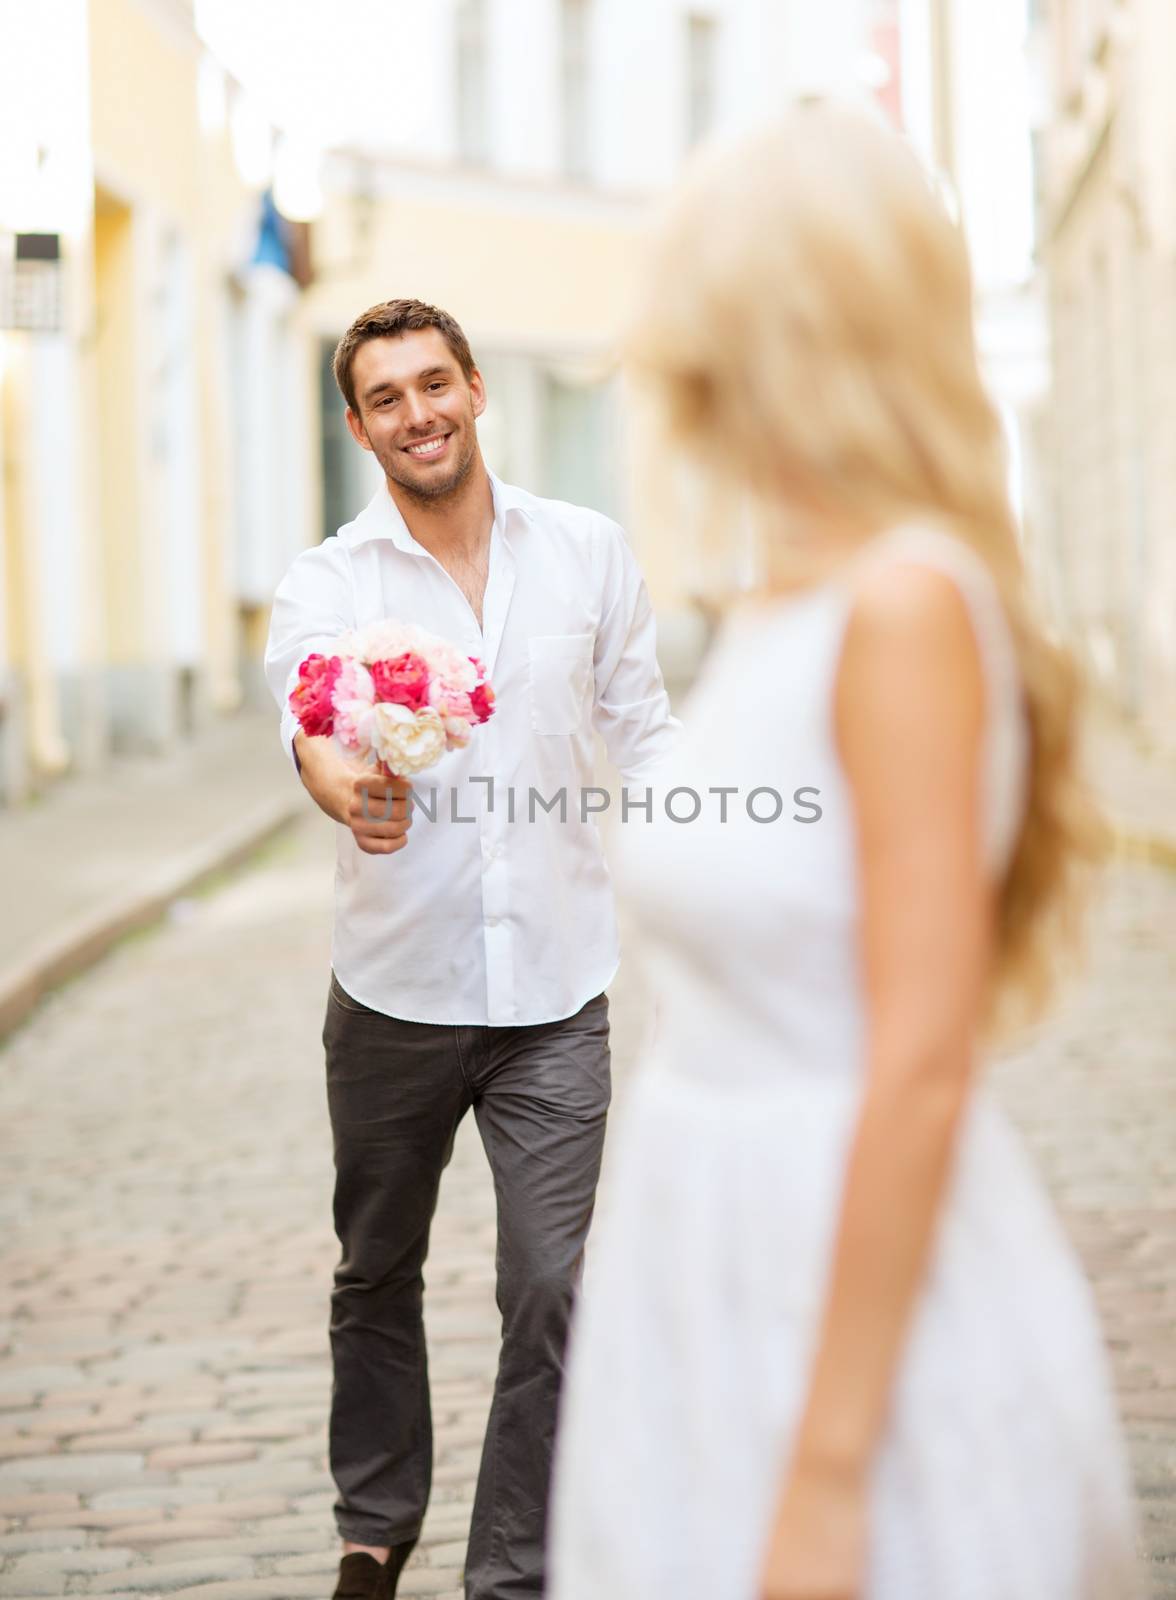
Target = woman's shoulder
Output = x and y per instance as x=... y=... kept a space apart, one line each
x=928 y=652
x=925 y=580
x=909 y=628
x=926 y=630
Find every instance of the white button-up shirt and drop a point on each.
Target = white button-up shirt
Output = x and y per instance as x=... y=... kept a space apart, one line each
x=499 y=911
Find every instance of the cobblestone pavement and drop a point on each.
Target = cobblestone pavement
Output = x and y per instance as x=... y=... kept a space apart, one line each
x=163 y=1362
x=1095 y=1094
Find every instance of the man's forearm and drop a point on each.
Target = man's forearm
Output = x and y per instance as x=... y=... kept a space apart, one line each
x=325 y=776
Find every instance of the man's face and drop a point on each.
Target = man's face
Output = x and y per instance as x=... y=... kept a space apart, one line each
x=416 y=412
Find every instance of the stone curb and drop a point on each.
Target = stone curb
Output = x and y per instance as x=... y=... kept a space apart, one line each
x=90 y=935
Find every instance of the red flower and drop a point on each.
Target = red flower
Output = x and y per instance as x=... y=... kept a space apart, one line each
x=310 y=699
x=482 y=701
x=403 y=681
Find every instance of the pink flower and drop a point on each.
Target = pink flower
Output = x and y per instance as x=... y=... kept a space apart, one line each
x=403 y=681
x=482 y=702
x=394 y=692
x=310 y=699
x=353 y=699
x=454 y=703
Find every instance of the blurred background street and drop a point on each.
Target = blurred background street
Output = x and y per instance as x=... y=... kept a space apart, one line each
x=196 y=197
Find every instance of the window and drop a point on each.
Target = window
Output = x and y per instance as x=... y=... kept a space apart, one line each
x=701 y=61
x=574 y=87
x=473 y=144
x=579 y=444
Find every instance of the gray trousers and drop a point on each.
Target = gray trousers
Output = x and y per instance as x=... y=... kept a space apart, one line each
x=397 y=1092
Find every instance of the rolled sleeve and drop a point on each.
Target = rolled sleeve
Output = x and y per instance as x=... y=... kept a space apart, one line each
x=632 y=709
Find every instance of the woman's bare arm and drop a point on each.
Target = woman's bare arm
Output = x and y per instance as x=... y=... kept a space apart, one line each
x=910 y=709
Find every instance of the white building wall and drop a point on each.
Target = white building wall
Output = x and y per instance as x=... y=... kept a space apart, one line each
x=174 y=420
x=918 y=75
x=820 y=50
x=989 y=91
x=46 y=183
x=765 y=53
x=523 y=105
x=382 y=78
x=640 y=71
x=270 y=521
x=1110 y=263
x=992 y=117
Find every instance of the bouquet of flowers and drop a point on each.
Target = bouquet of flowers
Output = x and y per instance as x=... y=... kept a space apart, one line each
x=395 y=693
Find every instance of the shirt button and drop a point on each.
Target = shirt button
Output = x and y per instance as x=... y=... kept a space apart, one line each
x=491 y=922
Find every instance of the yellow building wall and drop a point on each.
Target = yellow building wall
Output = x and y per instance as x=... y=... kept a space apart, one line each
x=144 y=109
x=511 y=275
x=155 y=160
x=146 y=160
x=119 y=433
x=516 y=277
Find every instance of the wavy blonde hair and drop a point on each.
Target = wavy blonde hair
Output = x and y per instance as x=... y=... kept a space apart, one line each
x=807 y=337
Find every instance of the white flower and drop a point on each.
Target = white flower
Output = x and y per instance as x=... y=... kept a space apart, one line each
x=406 y=741
x=384 y=641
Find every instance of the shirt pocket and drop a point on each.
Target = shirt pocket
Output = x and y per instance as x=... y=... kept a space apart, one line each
x=559 y=666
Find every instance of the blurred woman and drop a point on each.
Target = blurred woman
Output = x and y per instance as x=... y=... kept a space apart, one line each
x=833 y=1343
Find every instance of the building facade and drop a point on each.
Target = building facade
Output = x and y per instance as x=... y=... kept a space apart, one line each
x=146 y=338
x=969 y=105
x=515 y=184
x=1108 y=256
x=196 y=199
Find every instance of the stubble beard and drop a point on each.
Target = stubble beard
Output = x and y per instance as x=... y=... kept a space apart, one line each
x=435 y=489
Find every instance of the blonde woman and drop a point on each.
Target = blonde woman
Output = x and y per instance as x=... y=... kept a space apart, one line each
x=833 y=1343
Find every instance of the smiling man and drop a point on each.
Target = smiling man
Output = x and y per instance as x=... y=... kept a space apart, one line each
x=470 y=961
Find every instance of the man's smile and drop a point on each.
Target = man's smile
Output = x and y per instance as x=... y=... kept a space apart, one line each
x=427 y=449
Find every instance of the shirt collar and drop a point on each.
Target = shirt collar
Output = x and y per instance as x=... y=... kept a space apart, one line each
x=381 y=517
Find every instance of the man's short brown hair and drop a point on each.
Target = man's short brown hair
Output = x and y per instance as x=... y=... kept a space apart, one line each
x=389 y=320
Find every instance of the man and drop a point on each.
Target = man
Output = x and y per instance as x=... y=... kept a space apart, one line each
x=470 y=959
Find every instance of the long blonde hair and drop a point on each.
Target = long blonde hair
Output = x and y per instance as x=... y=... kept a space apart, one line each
x=808 y=332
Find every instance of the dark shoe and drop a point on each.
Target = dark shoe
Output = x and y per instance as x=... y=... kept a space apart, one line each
x=400 y=1554
x=361 y=1577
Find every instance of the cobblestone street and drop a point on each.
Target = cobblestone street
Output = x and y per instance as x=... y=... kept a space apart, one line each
x=163 y=1362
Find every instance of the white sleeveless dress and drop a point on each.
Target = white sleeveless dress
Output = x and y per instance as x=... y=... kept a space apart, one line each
x=1002 y=1473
